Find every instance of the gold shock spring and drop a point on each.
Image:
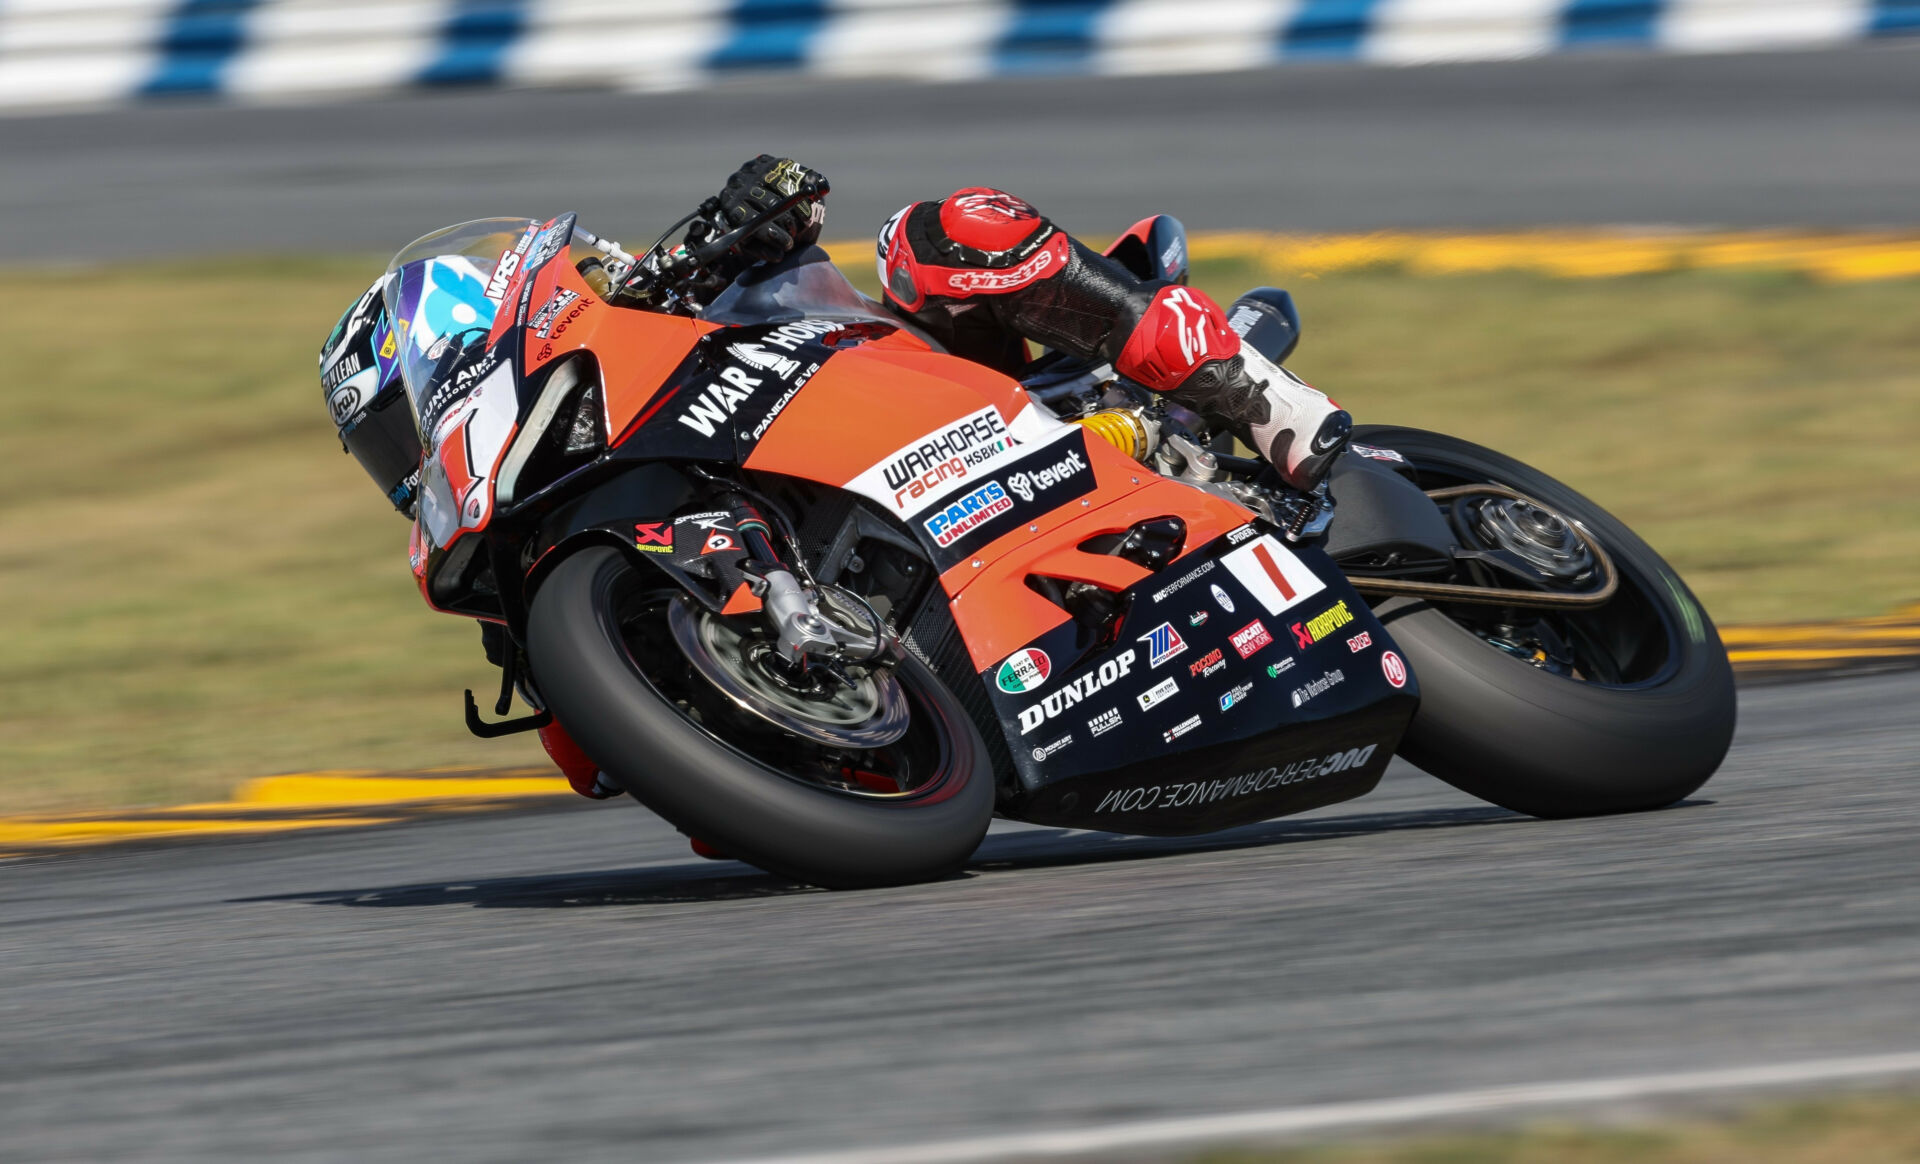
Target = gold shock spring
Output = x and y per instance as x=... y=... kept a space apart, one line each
x=1120 y=427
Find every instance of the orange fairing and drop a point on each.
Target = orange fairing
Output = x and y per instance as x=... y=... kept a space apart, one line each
x=872 y=399
x=995 y=609
x=637 y=349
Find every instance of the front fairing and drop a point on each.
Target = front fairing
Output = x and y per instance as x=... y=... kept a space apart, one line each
x=1247 y=680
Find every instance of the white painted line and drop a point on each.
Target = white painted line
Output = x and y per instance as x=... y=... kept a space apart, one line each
x=1323 y=1116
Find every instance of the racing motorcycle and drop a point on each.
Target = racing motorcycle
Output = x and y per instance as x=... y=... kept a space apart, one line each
x=827 y=598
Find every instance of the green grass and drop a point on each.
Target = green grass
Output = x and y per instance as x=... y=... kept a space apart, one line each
x=1857 y=1130
x=197 y=585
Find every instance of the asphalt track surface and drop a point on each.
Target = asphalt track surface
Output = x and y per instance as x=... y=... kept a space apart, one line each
x=1791 y=139
x=575 y=985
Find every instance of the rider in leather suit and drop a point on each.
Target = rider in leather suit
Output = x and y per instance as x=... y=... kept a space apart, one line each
x=982 y=271
x=979 y=270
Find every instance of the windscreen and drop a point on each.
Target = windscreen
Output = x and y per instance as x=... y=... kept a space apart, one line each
x=806 y=286
x=443 y=291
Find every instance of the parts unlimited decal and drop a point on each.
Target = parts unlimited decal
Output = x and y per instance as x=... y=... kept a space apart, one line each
x=967 y=513
x=1039 y=483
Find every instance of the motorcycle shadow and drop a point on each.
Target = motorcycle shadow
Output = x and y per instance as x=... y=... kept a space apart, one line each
x=1028 y=848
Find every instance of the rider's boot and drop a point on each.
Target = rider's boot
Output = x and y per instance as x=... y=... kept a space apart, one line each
x=1288 y=421
x=1182 y=347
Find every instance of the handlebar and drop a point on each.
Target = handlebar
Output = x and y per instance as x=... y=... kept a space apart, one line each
x=670 y=268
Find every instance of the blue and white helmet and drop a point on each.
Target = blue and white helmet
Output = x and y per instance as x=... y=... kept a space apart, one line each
x=367 y=399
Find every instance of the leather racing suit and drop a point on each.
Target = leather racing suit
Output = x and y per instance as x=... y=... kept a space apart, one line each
x=981 y=271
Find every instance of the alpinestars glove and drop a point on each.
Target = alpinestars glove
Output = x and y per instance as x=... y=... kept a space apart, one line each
x=762 y=184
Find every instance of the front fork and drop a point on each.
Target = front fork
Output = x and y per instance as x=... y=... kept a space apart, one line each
x=806 y=637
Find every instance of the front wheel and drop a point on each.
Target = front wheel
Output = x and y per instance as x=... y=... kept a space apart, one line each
x=606 y=662
x=1617 y=708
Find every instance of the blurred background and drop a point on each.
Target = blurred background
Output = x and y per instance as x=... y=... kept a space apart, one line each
x=1606 y=236
x=1666 y=250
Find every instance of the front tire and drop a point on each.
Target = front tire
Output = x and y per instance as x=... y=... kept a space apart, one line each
x=595 y=677
x=1643 y=717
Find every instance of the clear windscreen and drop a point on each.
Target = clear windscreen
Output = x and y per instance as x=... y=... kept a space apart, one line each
x=444 y=289
x=805 y=286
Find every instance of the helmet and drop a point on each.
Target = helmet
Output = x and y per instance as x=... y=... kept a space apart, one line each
x=360 y=378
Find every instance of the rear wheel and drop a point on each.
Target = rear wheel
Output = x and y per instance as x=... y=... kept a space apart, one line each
x=766 y=789
x=1628 y=705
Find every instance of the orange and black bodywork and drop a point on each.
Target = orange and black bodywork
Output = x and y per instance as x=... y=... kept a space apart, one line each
x=1141 y=656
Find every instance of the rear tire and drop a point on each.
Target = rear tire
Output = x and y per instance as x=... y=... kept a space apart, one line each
x=588 y=675
x=1547 y=744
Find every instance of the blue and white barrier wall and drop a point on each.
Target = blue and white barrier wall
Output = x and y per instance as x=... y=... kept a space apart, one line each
x=77 y=53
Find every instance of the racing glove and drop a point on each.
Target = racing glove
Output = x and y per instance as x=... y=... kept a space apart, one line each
x=759 y=186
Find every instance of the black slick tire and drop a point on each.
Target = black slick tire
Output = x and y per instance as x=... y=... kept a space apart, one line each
x=1496 y=727
x=717 y=793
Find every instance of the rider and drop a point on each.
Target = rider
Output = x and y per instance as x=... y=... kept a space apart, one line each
x=979 y=270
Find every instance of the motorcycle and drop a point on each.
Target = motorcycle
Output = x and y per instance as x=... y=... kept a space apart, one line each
x=828 y=599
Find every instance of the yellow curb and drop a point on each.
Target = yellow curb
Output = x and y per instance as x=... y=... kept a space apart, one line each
x=1862 y=635
x=51 y=834
x=339 y=798
x=1817 y=655
x=317 y=790
x=1573 y=254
